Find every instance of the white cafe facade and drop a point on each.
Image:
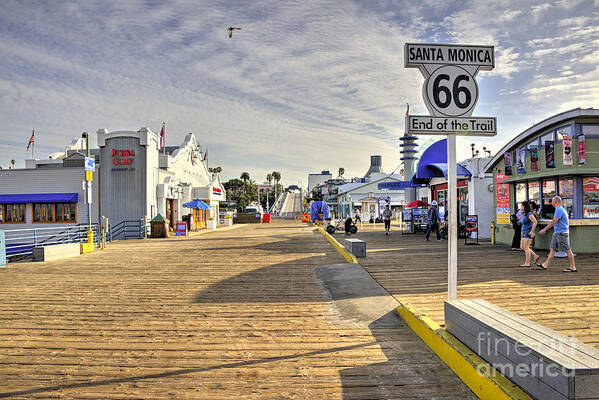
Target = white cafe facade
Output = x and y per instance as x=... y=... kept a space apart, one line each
x=134 y=179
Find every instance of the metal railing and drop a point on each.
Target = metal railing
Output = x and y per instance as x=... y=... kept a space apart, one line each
x=124 y=230
x=20 y=242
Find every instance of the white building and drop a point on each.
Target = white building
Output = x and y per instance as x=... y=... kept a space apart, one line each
x=318 y=179
x=351 y=195
x=134 y=181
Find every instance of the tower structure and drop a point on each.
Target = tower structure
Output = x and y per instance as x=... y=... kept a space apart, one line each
x=408 y=152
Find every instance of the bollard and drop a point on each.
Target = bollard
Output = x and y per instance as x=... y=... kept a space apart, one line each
x=2 y=249
x=493 y=232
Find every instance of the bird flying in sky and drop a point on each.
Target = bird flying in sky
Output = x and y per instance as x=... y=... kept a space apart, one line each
x=231 y=31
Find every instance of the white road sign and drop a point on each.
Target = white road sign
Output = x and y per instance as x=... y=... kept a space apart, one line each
x=450 y=93
x=461 y=126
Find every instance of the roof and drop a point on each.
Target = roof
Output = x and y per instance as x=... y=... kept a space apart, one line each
x=433 y=163
x=348 y=187
x=534 y=130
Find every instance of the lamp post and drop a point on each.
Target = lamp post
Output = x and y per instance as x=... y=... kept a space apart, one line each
x=85 y=135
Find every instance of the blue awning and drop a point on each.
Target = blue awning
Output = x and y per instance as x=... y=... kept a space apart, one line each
x=39 y=198
x=197 y=203
x=433 y=163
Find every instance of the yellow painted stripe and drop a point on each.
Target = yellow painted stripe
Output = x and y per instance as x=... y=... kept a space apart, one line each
x=484 y=380
x=346 y=254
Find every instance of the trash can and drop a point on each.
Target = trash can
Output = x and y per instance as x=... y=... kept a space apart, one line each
x=158 y=226
x=266 y=219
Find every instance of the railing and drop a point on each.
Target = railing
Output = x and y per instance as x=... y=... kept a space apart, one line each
x=124 y=230
x=273 y=209
x=20 y=242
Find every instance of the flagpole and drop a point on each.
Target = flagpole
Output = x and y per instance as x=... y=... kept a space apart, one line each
x=163 y=138
x=32 y=144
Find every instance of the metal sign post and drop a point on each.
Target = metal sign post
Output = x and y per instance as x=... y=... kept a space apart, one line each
x=450 y=93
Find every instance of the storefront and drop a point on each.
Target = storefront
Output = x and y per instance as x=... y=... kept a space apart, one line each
x=557 y=156
x=134 y=180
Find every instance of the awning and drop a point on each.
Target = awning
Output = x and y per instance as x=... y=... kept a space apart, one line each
x=39 y=198
x=197 y=203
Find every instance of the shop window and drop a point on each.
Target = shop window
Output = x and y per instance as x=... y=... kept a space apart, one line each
x=546 y=137
x=588 y=129
x=520 y=192
x=566 y=192
x=560 y=132
x=534 y=142
x=12 y=213
x=590 y=198
x=54 y=212
x=548 y=193
x=533 y=191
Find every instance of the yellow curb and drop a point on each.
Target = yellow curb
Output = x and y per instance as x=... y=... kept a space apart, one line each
x=347 y=255
x=484 y=380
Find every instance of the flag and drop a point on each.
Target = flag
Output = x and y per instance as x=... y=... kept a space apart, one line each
x=162 y=135
x=31 y=140
x=206 y=155
x=407 y=109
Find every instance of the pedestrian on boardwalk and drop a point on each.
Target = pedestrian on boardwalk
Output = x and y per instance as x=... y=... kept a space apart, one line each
x=517 y=230
x=387 y=218
x=529 y=225
x=358 y=216
x=560 y=241
x=433 y=221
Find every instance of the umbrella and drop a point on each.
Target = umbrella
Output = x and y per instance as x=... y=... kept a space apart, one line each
x=417 y=203
x=197 y=203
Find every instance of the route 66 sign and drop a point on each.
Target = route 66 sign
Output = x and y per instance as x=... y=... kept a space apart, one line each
x=450 y=91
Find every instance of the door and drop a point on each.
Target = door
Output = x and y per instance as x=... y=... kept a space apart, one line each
x=170 y=215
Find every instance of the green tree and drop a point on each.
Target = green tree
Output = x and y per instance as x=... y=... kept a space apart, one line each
x=245 y=176
x=277 y=177
x=341 y=172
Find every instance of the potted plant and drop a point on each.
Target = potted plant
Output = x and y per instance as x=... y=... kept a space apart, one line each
x=228 y=220
x=212 y=222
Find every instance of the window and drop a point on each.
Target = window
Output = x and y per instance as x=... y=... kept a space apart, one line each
x=560 y=132
x=534 y=142
x=548 y=192
x=520 y=192
x=566 y=192
x=12 y=213
x=54 y=212
x=533 y=191
x=590 y=198
x=590 y=129
x=546 y=137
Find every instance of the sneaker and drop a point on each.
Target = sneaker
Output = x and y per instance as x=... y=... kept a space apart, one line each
x=439 y=240
x=427 y=240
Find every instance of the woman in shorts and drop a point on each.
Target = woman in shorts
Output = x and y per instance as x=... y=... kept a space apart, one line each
x=529 y=224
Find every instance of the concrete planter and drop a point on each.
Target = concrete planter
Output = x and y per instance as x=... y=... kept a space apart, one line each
x=228 y=221
x=211 y=224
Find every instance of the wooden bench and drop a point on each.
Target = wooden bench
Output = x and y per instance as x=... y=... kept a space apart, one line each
x=357 y=247
x=56 y=251
x=546 y=364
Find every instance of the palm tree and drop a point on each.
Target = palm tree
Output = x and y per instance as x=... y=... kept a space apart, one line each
x=269 y=178
x=341 y=172
x=217 y=170
x=245 y=176
x=277 y=177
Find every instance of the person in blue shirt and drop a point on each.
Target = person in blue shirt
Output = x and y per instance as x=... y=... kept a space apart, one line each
x=528 y=222
x=560 y=241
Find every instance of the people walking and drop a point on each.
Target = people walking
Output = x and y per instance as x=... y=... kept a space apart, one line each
x=517 y=230
x=358 y=216
x=529 y=225
x=433 y=221
x=387 y=219
x=560 y=241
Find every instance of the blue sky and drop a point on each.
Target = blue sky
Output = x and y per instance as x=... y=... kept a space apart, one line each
x=304 y=86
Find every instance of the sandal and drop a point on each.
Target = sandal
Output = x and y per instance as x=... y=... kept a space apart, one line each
x=541 y=267
x=536 y=262
x=570 y=270
x=524 y=266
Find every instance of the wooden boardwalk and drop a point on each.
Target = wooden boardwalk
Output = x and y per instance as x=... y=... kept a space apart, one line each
x=225 y=315
x=415 y=272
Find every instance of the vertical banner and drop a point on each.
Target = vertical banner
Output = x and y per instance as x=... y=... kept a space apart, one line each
x=549 y=155
x=507 y=157
x=502 y=199
x=581 y=149
x=534 y=158
x=521 y=161
x=567 y=146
